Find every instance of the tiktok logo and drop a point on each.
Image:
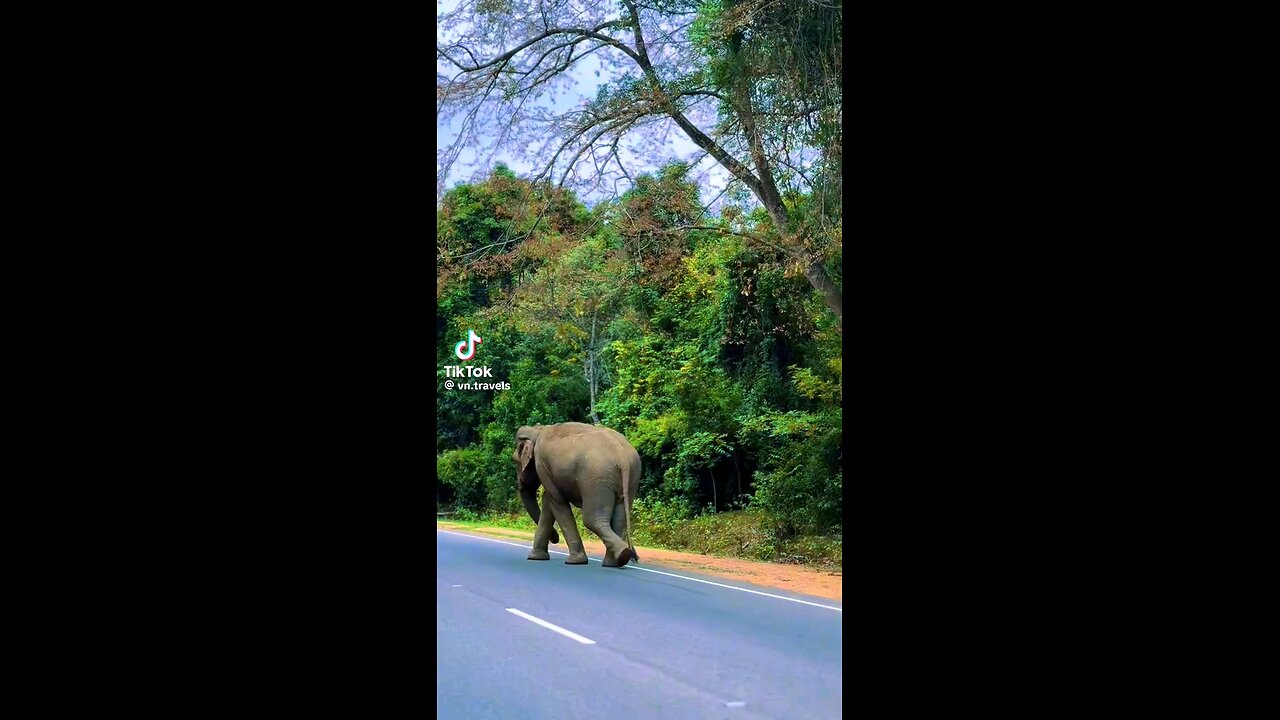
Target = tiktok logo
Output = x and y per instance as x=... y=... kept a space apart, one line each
x=470 y=343
x=466 y=350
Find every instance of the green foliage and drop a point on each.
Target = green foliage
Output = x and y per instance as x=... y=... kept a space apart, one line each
x=795 y=485
x=463 y=471
x=463 y=514
x=812 y=386
x=481 y=478
x=745 y=534
x=707 y=28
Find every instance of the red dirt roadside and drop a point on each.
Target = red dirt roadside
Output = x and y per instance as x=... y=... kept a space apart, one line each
x=823 y=584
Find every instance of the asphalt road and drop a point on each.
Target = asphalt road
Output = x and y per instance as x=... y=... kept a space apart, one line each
x=640 y=644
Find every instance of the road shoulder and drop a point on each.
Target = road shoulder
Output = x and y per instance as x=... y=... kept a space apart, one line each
x=792 y=578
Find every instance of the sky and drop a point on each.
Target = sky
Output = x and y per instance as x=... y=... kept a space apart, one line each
x=588 y=75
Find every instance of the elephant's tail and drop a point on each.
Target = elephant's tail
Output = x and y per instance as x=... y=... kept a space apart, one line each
x=626 y=506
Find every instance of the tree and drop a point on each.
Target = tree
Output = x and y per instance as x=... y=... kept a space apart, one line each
x=708 y=70
x=574 y=296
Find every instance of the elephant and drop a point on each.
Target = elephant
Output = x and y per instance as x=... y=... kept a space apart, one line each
x=590 y=466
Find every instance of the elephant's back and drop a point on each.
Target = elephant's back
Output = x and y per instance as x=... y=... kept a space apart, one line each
x=627 y=447
x=619 y=454
x=630 y=455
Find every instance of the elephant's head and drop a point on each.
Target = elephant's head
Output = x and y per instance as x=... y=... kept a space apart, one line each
x=526 y=472
x=527 y=479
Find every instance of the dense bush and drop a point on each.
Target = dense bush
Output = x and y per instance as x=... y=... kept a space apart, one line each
x=463 y=472
x=795 y=485
x=479 y=479
x=748 y=534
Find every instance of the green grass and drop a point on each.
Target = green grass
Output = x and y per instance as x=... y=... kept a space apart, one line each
x=740 y=534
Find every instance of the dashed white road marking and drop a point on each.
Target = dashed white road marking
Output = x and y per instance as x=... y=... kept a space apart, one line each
x=682 y=577
x=556 y=628
x=735 y=703
x=457 y=586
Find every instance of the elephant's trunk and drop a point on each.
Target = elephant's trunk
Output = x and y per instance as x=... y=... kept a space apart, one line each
x=529 y=496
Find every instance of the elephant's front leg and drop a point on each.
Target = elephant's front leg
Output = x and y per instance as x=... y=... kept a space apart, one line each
x=564 y=515
x=545 y=533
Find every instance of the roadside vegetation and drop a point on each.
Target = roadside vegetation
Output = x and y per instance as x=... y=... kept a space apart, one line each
x=737 y=534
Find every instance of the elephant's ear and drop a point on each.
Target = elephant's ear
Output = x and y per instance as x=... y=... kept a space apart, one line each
x=526 y=455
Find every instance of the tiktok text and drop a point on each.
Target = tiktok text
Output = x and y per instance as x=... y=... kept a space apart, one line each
x=467 y=371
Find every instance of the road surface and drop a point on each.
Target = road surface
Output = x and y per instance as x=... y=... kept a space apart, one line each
x=529 y=640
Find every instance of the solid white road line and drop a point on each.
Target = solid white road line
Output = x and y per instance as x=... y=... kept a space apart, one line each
x=567 y=633
x=732 y=587
x=682 y=577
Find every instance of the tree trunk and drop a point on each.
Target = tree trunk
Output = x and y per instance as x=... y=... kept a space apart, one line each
x=831 y=295
x=591 y=368
x=737 y=470
x=767 y=191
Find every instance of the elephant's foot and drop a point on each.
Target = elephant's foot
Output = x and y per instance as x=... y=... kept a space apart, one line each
x=619 y=560
x=577 y=556
x=537 y=554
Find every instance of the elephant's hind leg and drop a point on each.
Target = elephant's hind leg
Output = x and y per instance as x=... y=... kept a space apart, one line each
x=618 y=524
x=564 y=516
x=599 y=521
